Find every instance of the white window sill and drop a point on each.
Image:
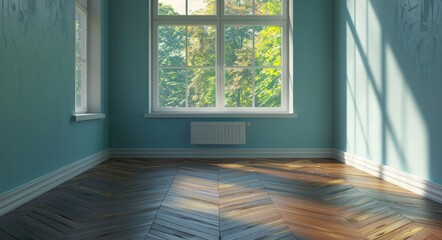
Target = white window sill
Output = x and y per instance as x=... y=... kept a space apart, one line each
x=88 y=116
x=221 y=115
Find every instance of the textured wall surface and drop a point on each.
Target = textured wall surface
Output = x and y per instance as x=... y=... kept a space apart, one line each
x=129 y=82
x=37 y=135
x=387 y=88
x=389 y=83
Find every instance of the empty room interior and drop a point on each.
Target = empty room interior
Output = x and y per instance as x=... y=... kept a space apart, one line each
x=220 y=119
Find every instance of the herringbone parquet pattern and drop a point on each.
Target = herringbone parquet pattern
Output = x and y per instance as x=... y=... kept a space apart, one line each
x=225 y=199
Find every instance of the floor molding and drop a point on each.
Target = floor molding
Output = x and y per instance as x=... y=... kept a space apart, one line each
x=407 y=181
x=28 y=191
x=221 y=153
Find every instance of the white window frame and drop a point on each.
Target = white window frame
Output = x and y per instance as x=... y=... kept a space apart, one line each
x=220 y=20
x=80 y=9
x=92 y=102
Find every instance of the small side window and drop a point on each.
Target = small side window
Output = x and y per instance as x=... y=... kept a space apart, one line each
x=88 y=62
x=81 y=60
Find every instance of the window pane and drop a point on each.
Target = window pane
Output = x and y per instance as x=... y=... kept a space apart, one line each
x=80 y=35
x=172 y=45
x=80 y=60
x=268 y=44
x=171 y=7
x=238 y=7
x=80 y=81
x=268 y=87
x=172 y=88
x=202 y=87
x=238 y=45
x=268 y=7
x=202 y=46
x=202 y=7
x=238 y=89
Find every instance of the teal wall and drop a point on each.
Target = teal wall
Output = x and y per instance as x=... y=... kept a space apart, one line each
x=389 y=82
x=384 y=56
x=313 y=87
x=37 y=135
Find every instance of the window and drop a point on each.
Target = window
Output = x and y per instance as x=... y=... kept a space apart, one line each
x=80 y=58
x=88 y=60
x=220 y=56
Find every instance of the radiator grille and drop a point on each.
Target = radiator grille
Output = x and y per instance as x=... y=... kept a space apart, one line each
x=218 y=133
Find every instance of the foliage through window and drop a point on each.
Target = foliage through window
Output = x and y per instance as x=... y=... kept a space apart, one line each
x=220 y=56
x=80 y=58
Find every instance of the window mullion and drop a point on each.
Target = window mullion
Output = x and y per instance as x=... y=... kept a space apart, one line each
x=220 y=102
x=221 y=9
x=253 y=66
x=220 y=68
x=187 y=65
x=253 y=7
x=220 y=57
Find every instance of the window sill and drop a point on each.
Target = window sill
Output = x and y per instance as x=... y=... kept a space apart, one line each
x=88 y=116
x=221 y=115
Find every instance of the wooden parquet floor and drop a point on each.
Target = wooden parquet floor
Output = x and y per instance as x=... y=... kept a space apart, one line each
x=225 y=199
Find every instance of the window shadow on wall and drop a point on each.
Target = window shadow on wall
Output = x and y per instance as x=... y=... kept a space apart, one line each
x=387 y=88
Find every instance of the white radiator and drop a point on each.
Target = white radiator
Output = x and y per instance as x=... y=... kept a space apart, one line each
x=218 y=133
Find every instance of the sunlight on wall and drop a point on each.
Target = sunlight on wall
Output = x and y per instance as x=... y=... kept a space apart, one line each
x=350 y=59
x=406 y=136
x=375 y=87
x=364 y=75
x=384 y=122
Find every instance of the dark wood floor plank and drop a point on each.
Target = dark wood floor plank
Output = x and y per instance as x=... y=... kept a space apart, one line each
x=246 y=209
x=190 y=208
x=224 y=199
x=6 y=236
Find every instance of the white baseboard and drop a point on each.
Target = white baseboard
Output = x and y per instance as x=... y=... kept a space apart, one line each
x=221 y=153
x=28 y=191
x=407 y=181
